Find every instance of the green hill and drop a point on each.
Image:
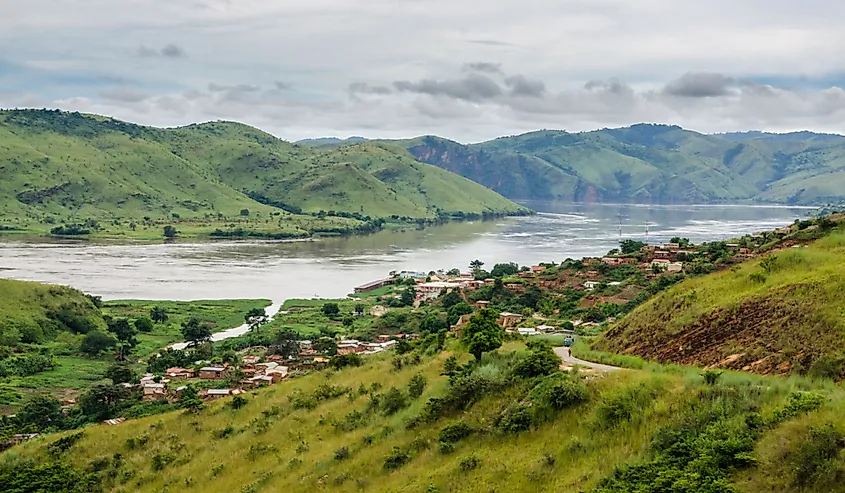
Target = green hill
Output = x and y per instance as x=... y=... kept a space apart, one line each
x=649 y=163
x=68 y=168
x=488 y=428
x=779 y=315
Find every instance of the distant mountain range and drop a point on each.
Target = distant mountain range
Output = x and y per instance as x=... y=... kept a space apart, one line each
x=649 y=163
x=59 y=166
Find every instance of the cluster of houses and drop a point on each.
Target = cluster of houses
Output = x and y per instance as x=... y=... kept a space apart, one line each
x=354 y=346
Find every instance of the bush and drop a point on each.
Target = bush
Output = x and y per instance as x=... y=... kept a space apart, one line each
x=342 y=361
x=711 y=376
x=542 y=361
x=567 y=393
x=799 y=403
x=416 y=386
x=396 y=459
x=469 y=463
x=622 y=405
x=814 y=457
x=445 y=448
x=455 y=432
x=238 y=402
x=516 y=419
x=341 y=454
x=394 y=401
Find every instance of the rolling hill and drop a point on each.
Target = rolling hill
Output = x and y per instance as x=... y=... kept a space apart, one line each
x=70 y=168
x=779 y=315
x=649 y=164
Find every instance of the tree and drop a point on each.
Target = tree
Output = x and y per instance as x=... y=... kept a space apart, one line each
x=454 y=313
x=432 y=324
x=42 y=412
x=330 y=310
x=359 y=309
x=254 y=313
x=450 y=299
x=476 y=265
x=682 y=242
x=408 y=296
x=502 y=270
x=158 y=315
x=170 y=232
x=416 y=386
x=101 y=401
x=631 y=246
x=195 y=332
x=96 y=342
x=125 y=333
x=144 y=324
x=325 y=345
x=245 y=212
x=348 y=321
x=453 y=272
x=120 y=373
x=540 y=362
x=482 y=334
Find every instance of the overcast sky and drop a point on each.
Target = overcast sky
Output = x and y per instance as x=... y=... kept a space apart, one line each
x=466 y=70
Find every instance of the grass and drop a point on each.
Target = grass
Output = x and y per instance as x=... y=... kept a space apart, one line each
x=127 y=181
x=220 y=314
x=269 y=443
x=781 y=314
x=647 y=163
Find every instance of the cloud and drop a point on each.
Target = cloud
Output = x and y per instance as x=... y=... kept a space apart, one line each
x=124 y=95
x=473 y=87
x=522 y=86
x=700 y=85
x=283 y=86
x=486 y=67
x=168 y=51
x=364 y=88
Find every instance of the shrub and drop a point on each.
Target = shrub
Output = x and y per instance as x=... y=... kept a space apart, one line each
x=394 y=401
x=799 y=403
x=238 y=402
x=222 y=433
x=160 y=461
x=445 y=448
x=396 y=459
x=455 y=432
x=711 y=376
x=64 y=444
x=137 y=442
x=469 y=463
x=567 y=393
x=342 y=361
x=341 y=454
x=516 y=419
x=416 y=386
x=622 y=405
x=542 y=361
x=814 y=456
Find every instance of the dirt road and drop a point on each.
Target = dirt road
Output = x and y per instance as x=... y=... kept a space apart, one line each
x=569 y=360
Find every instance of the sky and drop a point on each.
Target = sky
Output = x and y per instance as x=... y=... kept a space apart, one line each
x=461 y=69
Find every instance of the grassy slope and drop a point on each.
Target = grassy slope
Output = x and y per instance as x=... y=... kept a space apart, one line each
x=273 y=447
x=784 y=319
x=647 y=163
x=74 y=167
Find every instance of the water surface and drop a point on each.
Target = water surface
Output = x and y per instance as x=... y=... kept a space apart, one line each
x=332 y=267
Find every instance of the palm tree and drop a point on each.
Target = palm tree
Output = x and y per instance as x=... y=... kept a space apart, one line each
x=158 y=314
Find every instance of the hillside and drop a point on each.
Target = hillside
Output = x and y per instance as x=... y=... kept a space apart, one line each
x=651 y=164
x=779 y=315
x=67 y=168
x=483 y=429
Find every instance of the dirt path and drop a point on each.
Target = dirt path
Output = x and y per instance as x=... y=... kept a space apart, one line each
x=569 y=361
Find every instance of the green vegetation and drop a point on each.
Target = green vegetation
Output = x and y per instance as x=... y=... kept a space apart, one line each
x=781 y=315
x=69 y=174
x=649 y=163
x=648 y=431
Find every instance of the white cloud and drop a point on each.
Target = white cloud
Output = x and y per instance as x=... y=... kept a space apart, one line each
x=404 y=67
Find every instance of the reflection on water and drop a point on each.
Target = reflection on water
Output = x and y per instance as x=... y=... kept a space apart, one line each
x=331 y=267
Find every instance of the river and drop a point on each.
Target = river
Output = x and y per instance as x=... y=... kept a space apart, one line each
x=332 y=267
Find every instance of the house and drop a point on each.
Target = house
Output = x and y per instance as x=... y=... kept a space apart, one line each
x=482 y=304
x=527 y=331
x=431 y=290
x=212 y=372
x=662 y=254
x=674 y=267
x=507 y=319
x=784 y=231
x=660 y=263
x=343 y=349
x=745 y=251
x=177 y=373
x=610 y=260
x=627 y=261
x=305 y=344
x=277 y=374
x=115 y=421
x=538 y=268
x=261 y=380
x=252 y=359
x=214 y=394
x=544 y=328
x=154 y=391
x=671 y=246
x=614 y=283
x=373 y=285
x=591 y=285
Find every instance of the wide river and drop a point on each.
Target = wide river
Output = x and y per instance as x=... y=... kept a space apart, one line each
x=332 y=267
